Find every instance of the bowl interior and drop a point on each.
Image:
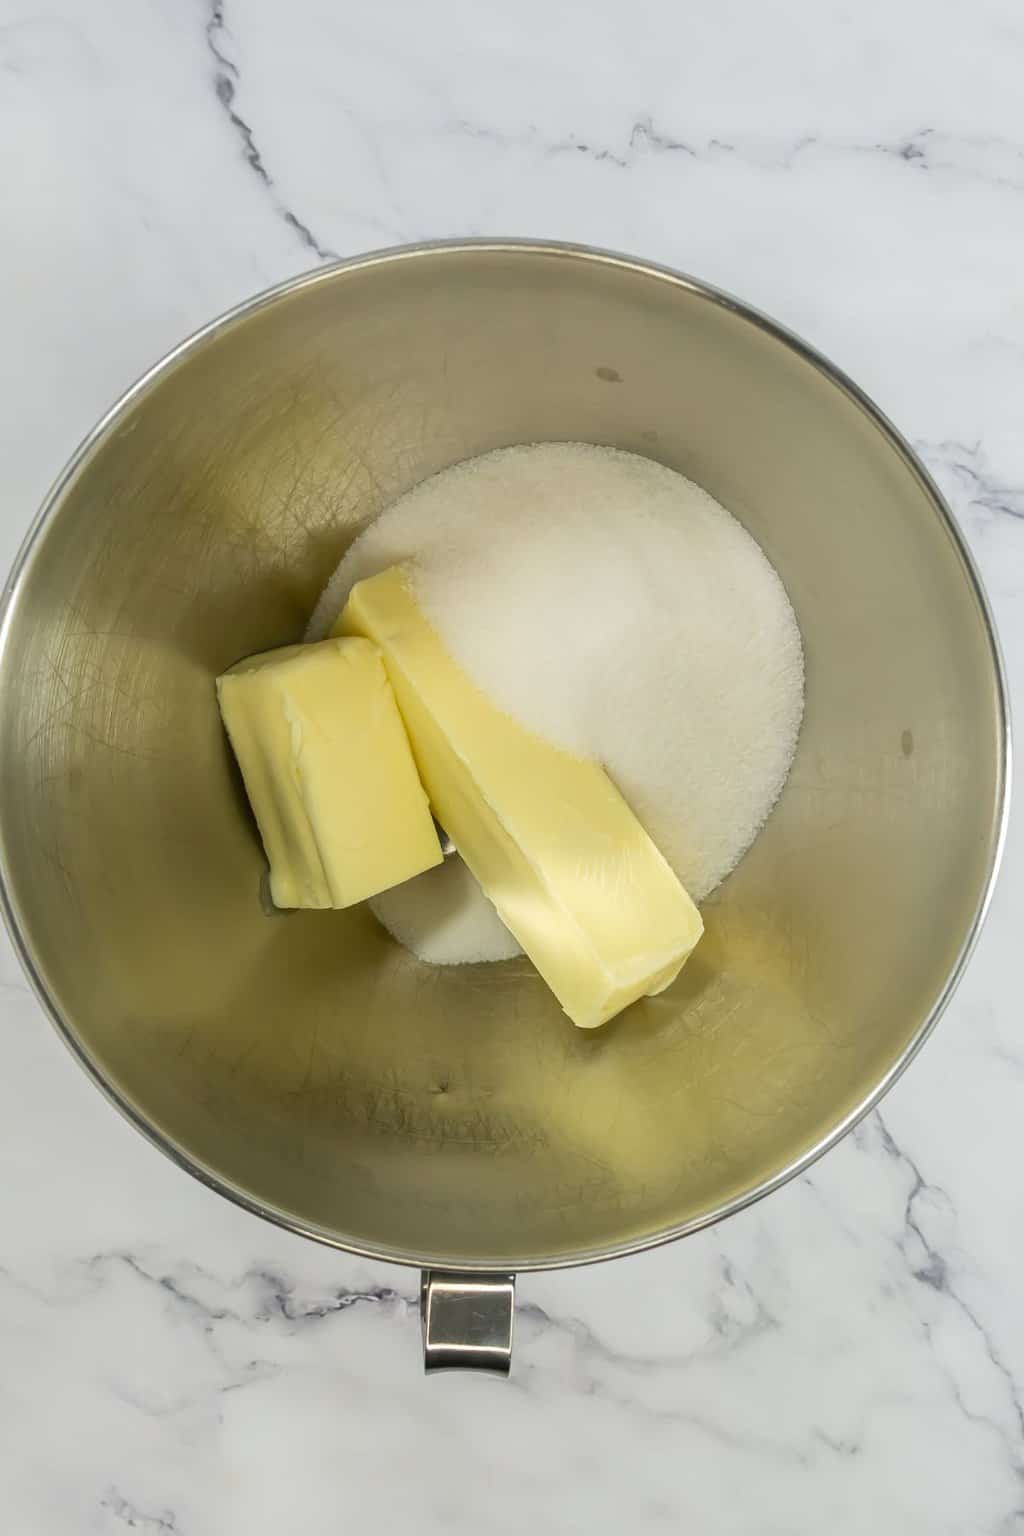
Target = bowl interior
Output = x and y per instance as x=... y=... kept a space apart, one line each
x=309 y=1064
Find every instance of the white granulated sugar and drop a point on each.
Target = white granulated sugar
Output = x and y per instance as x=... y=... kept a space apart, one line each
x=615 y=608
x=445 y=918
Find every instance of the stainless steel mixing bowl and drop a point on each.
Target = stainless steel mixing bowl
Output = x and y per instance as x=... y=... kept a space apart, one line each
x=310 y=1068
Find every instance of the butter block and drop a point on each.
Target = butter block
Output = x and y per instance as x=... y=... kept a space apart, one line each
x=571 y=871
x=328 y=771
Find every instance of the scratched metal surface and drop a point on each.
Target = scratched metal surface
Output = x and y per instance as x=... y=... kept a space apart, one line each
x=311 y=1066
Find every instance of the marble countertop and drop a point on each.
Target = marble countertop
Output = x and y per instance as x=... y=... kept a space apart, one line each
x=849 y=1354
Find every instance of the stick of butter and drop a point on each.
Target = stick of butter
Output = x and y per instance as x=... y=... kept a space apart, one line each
x=328 y=772
x=555 y=847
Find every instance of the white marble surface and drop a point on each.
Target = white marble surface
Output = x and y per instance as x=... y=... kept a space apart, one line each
x=847 y=1356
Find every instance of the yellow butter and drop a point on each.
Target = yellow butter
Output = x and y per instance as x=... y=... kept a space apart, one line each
x=328 y=772
x=568 y=866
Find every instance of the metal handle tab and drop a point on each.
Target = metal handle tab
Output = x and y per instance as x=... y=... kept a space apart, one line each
x=467 y=1321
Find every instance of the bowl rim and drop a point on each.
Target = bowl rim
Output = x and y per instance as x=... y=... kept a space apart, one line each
x=569 y=251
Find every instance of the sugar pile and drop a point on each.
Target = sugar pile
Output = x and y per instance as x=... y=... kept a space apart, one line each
x=615 y=608
x=444 y=917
